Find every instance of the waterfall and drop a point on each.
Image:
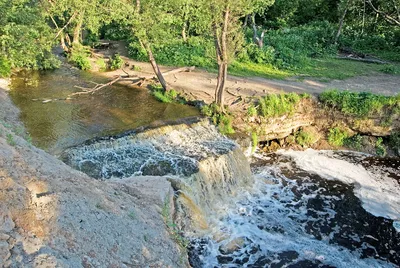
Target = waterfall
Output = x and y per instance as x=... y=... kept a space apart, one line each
x=204 y=167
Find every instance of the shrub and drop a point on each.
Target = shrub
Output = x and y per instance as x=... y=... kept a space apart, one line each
x=164 y=96
x=252 y=110
x=102 y=65
x=222 y=120
x=80 y=57
x=337 y=137
x=394 y=142
x=5 y=67
x=390 y=69
x=274 y=105
x=354 y=142
x=304 y=138
x=116 y=62
x=380 y=149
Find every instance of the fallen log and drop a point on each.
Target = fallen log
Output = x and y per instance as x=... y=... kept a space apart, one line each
x=366 y=60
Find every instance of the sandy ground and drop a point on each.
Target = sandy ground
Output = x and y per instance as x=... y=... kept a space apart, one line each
x=201 y=84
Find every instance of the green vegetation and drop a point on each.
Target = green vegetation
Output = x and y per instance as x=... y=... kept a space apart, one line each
x=116 y=62
x=10 y=139
x=360 y=104
x=354 y=142
x=172 y=228
x=219 y=118
x=273 y=105
x=337 y=136
x=394 y=142
x=380 y=149
x=80 y=57
x=102 y=65
x=164 y=96
x=252 y=110
x=305 y=138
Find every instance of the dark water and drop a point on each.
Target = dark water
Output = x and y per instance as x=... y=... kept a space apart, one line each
x=57 y=125
x=295 y=218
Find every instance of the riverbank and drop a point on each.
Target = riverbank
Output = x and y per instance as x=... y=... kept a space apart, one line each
x=310 y=118
x=54 y=216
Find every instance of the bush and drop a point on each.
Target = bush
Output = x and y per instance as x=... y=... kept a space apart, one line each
x=102 y=65
x=337 y=137
x=80 y=57
x=274 y=105
x=222 y=120
x=5 y=67
x=304 y=138
x=116 y=62
x=252 y=110
x=354 y=142
x=380 y=149
x=394 y=142
x=164 y=96
x=359 y=104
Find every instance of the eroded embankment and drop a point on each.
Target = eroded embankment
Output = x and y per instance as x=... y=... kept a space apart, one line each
x=312 y=124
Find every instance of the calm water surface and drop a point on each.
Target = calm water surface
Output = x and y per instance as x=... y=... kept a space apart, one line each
x=57 y=125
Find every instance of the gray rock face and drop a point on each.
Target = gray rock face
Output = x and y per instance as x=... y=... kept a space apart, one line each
x=54 y=216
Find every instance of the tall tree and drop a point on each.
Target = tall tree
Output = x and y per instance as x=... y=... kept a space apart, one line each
x=153 y=23
x=25 y=38
x=228 y=36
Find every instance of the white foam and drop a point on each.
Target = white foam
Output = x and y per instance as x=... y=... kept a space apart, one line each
x=379 y=194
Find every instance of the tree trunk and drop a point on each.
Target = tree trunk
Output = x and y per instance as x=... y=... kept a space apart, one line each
x=341 y=23
x=222 y=57
x=184 y=28
x=78 y=29
x=156 y=69
x=62 y=42
x=258 y=40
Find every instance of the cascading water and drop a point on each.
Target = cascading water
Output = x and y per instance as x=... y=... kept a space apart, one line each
x=204 y=167
x=299 y=209
x=295 y=217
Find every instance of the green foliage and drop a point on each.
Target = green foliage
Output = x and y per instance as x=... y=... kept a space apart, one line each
x=10 y=139
x=26 y=39
x=274 y=105
x=164 y=96
x=305 y=138
x=394 y=142
x=380 y=149
x=254 y=141
x=219 y=118
x=116 y=62
x=252 y=110
x=354 y=142
x=172 y=228
x=337 y=137
x=80 y=57
x=390 y=69
x=102 y=65
x=5 y=67
x=360 y=104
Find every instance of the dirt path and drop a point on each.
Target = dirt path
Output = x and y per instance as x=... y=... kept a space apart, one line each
x=200 y=84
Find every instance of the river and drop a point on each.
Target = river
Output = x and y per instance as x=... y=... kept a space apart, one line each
x=303 y=209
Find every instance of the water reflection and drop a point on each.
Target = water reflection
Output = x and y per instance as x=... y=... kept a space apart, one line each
x=56 y=125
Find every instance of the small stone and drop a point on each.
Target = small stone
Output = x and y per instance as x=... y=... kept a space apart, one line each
x=4 y=237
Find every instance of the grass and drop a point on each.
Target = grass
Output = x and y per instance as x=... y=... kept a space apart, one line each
x=219 y=118
x=322 y=68
x=254 y=142
x=163 y=96
x=273 y=105
x=360 y=104
x=10 y=139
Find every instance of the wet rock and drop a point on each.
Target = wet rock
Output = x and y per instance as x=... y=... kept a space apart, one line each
x=232 y=245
